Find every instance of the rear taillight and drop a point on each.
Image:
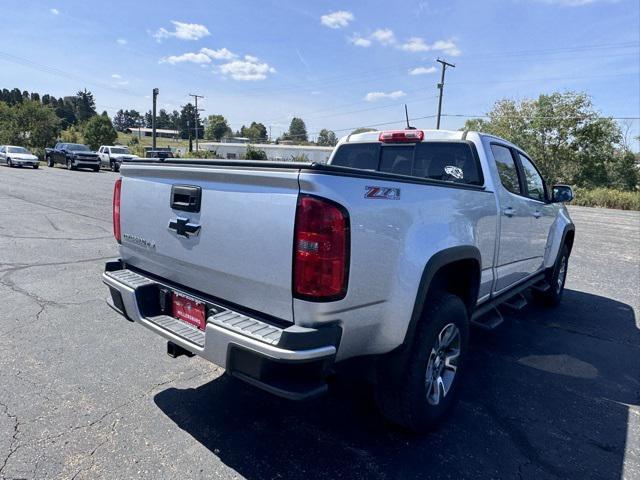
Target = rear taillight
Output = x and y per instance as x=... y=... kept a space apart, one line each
x=401 y=136
x=321 y=250
x=117 y=188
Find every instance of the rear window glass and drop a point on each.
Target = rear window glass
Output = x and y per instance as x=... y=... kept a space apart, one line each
x=358 y=155
x=445 y=161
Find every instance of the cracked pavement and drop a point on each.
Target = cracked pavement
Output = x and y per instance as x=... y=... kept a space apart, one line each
x=85 y=394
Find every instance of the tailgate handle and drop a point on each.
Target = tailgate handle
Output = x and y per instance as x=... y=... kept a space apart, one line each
x=186 y=198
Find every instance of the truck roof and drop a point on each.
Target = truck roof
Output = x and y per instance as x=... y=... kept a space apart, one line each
x=429 y=134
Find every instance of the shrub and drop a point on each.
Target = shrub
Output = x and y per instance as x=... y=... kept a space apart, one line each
x=255 y=154
x=607 y=198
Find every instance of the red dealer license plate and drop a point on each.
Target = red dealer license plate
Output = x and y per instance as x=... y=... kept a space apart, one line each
x=188 y=310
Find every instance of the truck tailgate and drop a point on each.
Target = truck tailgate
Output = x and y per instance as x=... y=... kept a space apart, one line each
x=242 y=253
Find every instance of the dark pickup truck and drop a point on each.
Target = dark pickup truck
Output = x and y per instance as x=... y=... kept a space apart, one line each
x=72 y=156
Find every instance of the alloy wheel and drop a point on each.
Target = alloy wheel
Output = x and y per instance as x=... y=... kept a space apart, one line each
x=443 y=364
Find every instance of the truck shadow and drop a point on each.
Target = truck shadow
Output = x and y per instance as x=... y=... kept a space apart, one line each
x=545 y=396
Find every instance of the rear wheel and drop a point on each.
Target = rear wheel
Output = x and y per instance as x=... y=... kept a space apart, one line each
x=556 y=278
x=418 y=395
x=50 y=162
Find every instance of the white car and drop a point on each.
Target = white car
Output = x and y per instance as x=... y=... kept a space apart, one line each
x=113 y=156
x=17 y=157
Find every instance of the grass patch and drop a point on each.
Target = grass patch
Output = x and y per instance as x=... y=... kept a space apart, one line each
x=607 y=198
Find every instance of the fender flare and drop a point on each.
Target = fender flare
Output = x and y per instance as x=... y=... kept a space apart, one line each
x=435 y=263
x=570 y=227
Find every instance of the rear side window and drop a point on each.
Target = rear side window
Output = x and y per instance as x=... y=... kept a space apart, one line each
x=358 y=155
x=506 y=168
x=451 y=162
x=445 y=161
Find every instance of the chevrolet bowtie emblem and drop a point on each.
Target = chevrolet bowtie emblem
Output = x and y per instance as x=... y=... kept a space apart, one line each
x=183 y=228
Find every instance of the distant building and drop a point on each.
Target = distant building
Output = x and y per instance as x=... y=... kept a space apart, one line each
x=148 y=132
x=275 y=153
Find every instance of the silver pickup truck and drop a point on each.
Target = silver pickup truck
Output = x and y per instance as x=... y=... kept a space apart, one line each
x=383 y=258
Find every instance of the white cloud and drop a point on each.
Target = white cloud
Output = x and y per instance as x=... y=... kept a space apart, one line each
x=360 y=41
x=339 y=19
x=447 y=46
x=385 y=36
x=183 y=31
x=373 y=96
x=118 y=81
x=418 y=44
x=422 y=70
x=186 y=57
x=121 y=41
x=248 y=69
x=415 y=44
x=220 y=54
x=54 y=11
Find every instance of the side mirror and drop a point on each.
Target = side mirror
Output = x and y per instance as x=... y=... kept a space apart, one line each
x=562 y=194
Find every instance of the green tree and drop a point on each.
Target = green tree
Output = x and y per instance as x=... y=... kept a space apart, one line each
x=297 y=131
x=256 y=132
x=85 y=105
x=28 y=123
x=7 y=123
x=216 y=127
x=99 y=131
x=37 y=124
x=327 y=138
x=186 y=124
x=564 y=135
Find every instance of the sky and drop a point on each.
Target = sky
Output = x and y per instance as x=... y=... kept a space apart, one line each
x=336 y=64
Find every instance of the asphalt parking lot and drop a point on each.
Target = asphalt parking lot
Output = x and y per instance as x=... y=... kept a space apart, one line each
x=85 y=394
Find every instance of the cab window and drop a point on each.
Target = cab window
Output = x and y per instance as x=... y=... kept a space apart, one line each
x=532 y=180
x=506 y=168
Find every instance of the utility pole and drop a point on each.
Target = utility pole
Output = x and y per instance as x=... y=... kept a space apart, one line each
x=196 y=97
x=445 y=64
x=153 y=119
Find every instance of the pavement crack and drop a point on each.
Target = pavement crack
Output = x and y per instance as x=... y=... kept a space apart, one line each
x=14 y=439
x=68 y=212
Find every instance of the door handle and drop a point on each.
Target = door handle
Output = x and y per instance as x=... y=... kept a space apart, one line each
x=509 y=212
x=537 y=214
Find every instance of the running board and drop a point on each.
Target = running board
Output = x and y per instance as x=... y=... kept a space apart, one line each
x=486 y=307
x=489 y=320
x=516 y=303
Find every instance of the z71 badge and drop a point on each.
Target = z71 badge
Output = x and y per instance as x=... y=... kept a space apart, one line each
x=382 y=193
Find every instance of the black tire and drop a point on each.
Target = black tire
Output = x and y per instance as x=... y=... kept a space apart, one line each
x=556 y=278
x=35 y=167
x=96 y=169
x=70 y=165
x=114 y=166
x=404 y=392
x=9 y=163
x=50 y=162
